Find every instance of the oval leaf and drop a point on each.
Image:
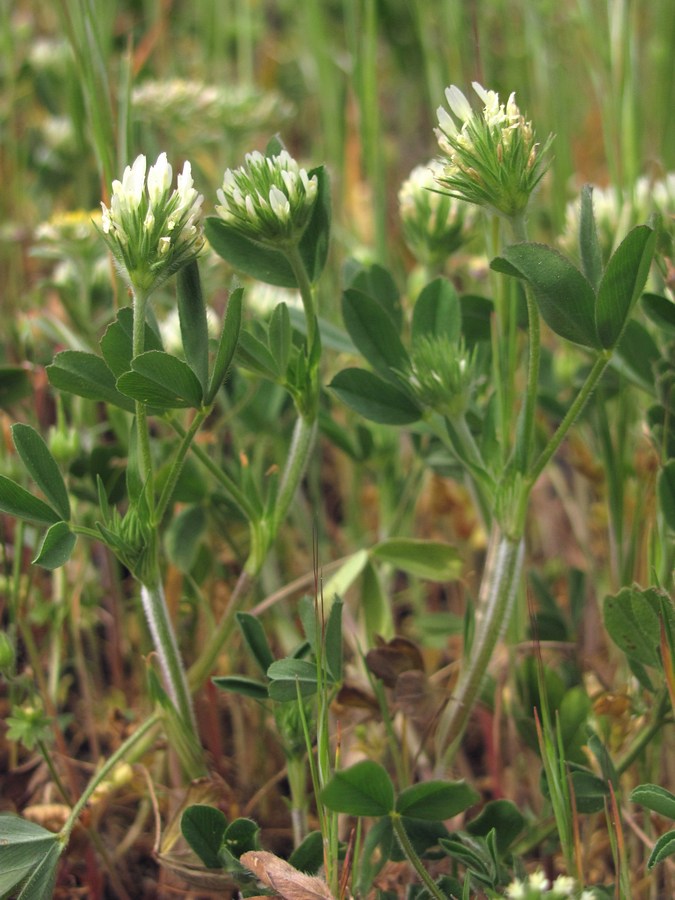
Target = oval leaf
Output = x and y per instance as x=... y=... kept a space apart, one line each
x=18 y=502
x=241 y=684
x=256 y=640
x=203 y=828
x=373 y=332
x=374 y=398
x=564 y=296
x=632 y=621
x=656 y=798
x=434 y=800
x=161 y=380
x=227 y=344
x=437 y=312
x=622 y=283
x=56 y=548
x=117 y=342
x=42 y=467
x=192 y=317
x=591 y=256
x=316 y=237
x=661 y=311
x=287 y=676
x=40 y=884
x=247 y=256
x=364 y=789
x=664 y=847
x=23 y=845
x=432 y=560
x=86 y=375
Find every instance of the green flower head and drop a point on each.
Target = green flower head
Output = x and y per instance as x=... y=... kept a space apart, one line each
x=490 y=159
x=442 y=375
x=268 y=199
x=151 y=230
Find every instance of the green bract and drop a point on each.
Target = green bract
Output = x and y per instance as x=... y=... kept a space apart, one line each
x=493 y=159
x=152 y=231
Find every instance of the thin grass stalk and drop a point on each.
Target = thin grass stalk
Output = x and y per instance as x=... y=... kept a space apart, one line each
x=363 y=36
x=81 y=22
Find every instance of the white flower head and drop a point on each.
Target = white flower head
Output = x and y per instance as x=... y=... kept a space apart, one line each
x=563 y=886
x=269 y=198
x=538 y=881
x=490 y=159
x=151 y=230
x=516 y=890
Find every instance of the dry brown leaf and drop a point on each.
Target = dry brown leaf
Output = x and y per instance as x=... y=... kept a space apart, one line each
x=288 y=882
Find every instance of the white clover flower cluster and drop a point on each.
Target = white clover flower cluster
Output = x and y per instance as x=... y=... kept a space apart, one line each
x=207 y=109
x=537 y=885
x=490 y=159
x=269 y=198
x=151 y=230
x=434 y=223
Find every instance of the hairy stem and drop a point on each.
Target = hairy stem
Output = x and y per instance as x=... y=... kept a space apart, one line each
x=413 y=858
x=164 y=638
x=104 y=771
x=495 y=603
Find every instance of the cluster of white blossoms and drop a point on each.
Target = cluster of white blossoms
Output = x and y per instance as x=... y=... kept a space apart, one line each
x=434 y=223
x=206 y=110
x=151 y=229
x=490 y=159
x=537 y=886
x=269 y=198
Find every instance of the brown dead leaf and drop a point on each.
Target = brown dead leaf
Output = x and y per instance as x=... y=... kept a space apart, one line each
x=390 y=658
x=279 y=875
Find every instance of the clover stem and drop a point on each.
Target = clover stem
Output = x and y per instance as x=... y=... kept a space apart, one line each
x=413 y=858
x=494 y=606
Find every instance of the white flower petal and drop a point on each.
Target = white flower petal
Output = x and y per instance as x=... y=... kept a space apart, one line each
x=458 y=103
x=159 y=179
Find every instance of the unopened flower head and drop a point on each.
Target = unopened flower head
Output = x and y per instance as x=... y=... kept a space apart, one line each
x=490 y=159
x=269 y=199
x=442 y=375
x=151 y=230
x=434 y=223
